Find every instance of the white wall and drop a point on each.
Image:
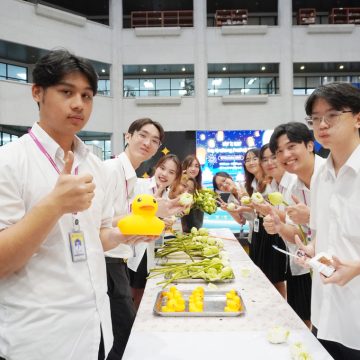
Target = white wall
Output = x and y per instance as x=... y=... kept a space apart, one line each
x=17 y=107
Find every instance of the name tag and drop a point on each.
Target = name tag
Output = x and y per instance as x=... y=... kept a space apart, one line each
x=256 y=225
x=77 y=246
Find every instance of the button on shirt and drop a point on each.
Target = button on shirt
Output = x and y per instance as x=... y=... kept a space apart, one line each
x=52 y=308
x=335 y=218
x=302 y=192
x=124 y=178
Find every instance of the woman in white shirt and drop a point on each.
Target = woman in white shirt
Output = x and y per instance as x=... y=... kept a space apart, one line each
x=167 y=173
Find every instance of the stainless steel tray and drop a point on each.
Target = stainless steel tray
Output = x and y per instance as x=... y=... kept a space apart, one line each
x=214 y=303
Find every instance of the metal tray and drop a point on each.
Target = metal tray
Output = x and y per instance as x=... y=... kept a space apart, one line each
x=214 y=303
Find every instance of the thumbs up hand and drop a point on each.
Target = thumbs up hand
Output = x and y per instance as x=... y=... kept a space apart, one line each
x=72 y=193
x=272 y=223
x=298 y=213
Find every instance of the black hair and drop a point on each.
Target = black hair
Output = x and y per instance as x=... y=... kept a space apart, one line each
x=262 y=150
x=249 y=177
x=55 y=65
x=187 y=163
x=339 y=95
x=296 y=132
x=138 y=124
x=220 y=173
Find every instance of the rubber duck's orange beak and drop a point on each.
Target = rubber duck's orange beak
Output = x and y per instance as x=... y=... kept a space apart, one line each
x=146 y=208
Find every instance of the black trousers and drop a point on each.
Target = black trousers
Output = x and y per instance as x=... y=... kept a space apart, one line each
x=338 y=351
x=101 y=355
x=121 y=304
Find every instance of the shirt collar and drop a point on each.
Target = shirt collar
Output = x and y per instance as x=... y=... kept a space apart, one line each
x=286 y=180
x=127 y=167
x=353 y=163
x=54 y=149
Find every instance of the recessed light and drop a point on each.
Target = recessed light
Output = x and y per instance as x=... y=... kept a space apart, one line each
x=144 y=69
x=341 y=67
x=224 y=68
x=102 y=70
x=302 y=67
x=263 y=68
x=183 y=69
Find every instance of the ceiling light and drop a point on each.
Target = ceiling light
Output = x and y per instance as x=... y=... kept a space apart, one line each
x=144 y=69
x=244 y=91
x=102 y=70
x=224 y=68
x=183 y=69
x=251 y=81
x=302 y=67
x=263 y=68
x=341 y=67
x=148 y=84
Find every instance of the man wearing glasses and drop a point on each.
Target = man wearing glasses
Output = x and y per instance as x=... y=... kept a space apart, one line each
x=142 y=140
x=334 y=114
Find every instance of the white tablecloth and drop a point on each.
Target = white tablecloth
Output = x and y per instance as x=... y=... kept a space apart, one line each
x=156 y=337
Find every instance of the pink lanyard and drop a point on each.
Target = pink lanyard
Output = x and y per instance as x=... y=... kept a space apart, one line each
x=43 y=150
x=127 y=191
x=303 y=192
x=76 y=225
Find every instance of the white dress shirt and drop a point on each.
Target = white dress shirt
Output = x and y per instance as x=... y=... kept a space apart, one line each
x=302 y=192
x=124 y=183
x=145 y=186
x=52 y=308
x=335 y=219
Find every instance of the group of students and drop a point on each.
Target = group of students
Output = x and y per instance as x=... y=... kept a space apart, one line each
x=320 y=212
x=60 y=206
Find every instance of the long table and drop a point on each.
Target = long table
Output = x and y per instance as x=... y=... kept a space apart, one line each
x=179 y=338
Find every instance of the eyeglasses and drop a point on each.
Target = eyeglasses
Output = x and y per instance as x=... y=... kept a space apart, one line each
x=330 y=118
x=266 y=160
x=154 y=141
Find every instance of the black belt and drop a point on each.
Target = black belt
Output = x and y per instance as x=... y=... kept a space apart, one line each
x=113 y=260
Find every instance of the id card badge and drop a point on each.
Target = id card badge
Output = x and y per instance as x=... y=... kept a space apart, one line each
x=256 y=224
x=77 y=246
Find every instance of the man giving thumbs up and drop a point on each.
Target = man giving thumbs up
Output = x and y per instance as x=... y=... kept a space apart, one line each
x=55 y=218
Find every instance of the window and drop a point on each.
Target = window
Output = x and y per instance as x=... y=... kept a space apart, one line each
x=305 y=85
x=104 y=87
x=158 y=87
x=256 y=85
x=13 y=72
x=5 y=138
x=103 y=145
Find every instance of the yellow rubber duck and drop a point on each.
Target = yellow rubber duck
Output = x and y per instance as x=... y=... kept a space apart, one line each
x=143 y=220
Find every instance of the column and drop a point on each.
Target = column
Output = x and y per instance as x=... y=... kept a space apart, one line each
x=200 y=26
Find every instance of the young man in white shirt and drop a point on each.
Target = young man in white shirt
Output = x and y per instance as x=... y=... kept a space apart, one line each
x=53 y=194
x=293 y=144
x=334 y=114
x=143 y=140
